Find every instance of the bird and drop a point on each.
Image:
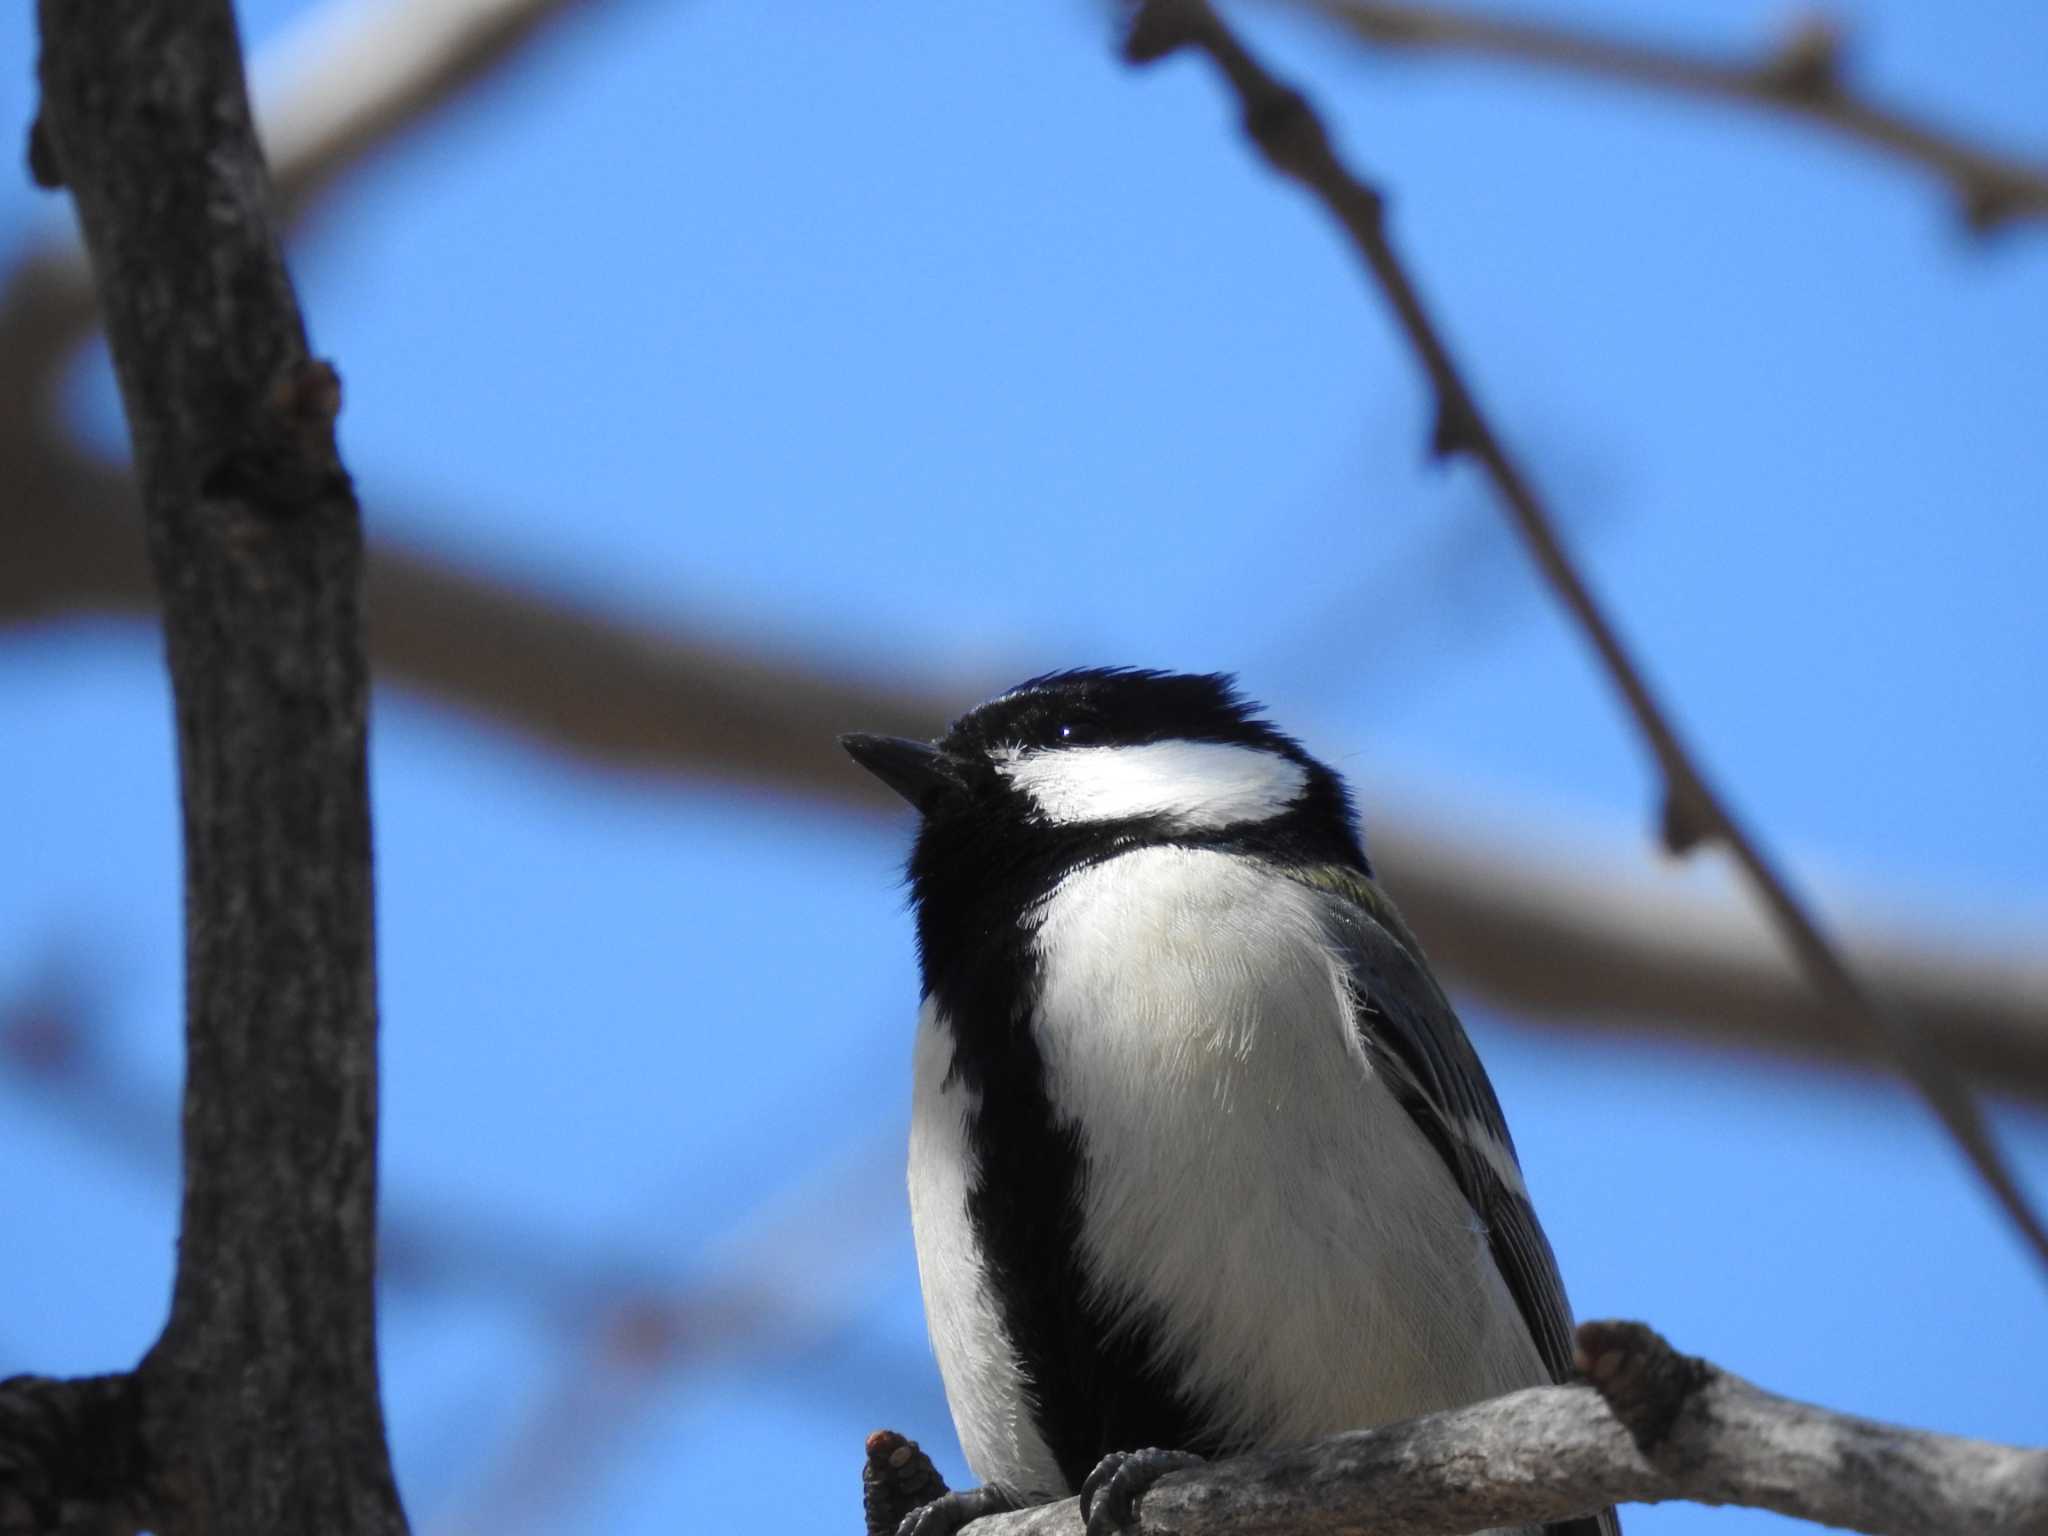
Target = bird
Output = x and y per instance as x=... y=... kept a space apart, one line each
x=1201 y=1159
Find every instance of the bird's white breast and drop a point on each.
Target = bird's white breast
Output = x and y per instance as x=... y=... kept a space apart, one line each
x=1250 y=1184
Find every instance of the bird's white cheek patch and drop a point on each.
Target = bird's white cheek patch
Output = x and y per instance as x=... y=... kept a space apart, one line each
x=1197 y=784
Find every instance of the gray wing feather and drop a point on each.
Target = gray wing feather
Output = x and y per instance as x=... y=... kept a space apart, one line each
x=1413 y=1037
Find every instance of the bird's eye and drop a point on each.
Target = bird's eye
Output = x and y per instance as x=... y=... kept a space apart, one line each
x=1079 y=732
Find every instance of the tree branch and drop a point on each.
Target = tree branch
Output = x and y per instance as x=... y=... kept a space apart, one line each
x=1655 y=1426
x=71 y=1456
x=1283 y=125
x=258 y=1407
x=1802 y=78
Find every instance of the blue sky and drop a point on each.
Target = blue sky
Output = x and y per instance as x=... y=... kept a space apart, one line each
x=930 y=339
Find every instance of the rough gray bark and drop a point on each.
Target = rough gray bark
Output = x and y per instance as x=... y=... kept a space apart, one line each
x=258 y=1408
x=1654 y=1426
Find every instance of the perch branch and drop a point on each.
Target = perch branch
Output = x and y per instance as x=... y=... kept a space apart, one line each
x=1655 y=1426
x=1287 y=131
x=1803 y=78
x=258 y=1406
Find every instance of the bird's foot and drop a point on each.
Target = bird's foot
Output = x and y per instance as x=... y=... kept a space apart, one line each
x=948 y=1512
x=1109 y=1498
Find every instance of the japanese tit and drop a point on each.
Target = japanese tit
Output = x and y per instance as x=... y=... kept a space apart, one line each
x=1201 y=1160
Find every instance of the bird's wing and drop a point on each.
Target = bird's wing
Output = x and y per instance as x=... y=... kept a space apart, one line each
x=1414 y=1039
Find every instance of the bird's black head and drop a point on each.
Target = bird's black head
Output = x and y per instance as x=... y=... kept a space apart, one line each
x=1075 y=767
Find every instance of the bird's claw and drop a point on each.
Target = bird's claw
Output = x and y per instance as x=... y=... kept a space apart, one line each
x=949 y=1511
x=1109 y=1498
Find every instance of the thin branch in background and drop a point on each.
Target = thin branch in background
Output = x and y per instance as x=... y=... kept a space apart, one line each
x=789 y=1275
x=795 y=1274
x=1422 y=605
x=627 y=1351
x=1654 y=1426
x=1290 y=135
x=784 y=1271
x=1802 y=78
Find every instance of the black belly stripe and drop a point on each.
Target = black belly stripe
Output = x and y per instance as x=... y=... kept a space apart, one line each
x=1093 y=1389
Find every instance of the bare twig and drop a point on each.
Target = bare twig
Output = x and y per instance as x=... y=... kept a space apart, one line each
x=1280 y=121
x=1802 y=78
x=1656 y=1426
x=258 y=1407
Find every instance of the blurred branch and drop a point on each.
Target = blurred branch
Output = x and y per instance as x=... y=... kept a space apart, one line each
x=357 y=76
x=1531 y=927
x=257 y=1408
x=1802 y=78
x=1287 y=131
x=1546 y=930
x=573 y=678
x=1654 y=1426
x=361 y=73
x=786 y=1271
x=628 y=1347
x=799 y=1269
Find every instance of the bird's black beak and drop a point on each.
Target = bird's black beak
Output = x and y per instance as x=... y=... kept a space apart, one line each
x=916 y=770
